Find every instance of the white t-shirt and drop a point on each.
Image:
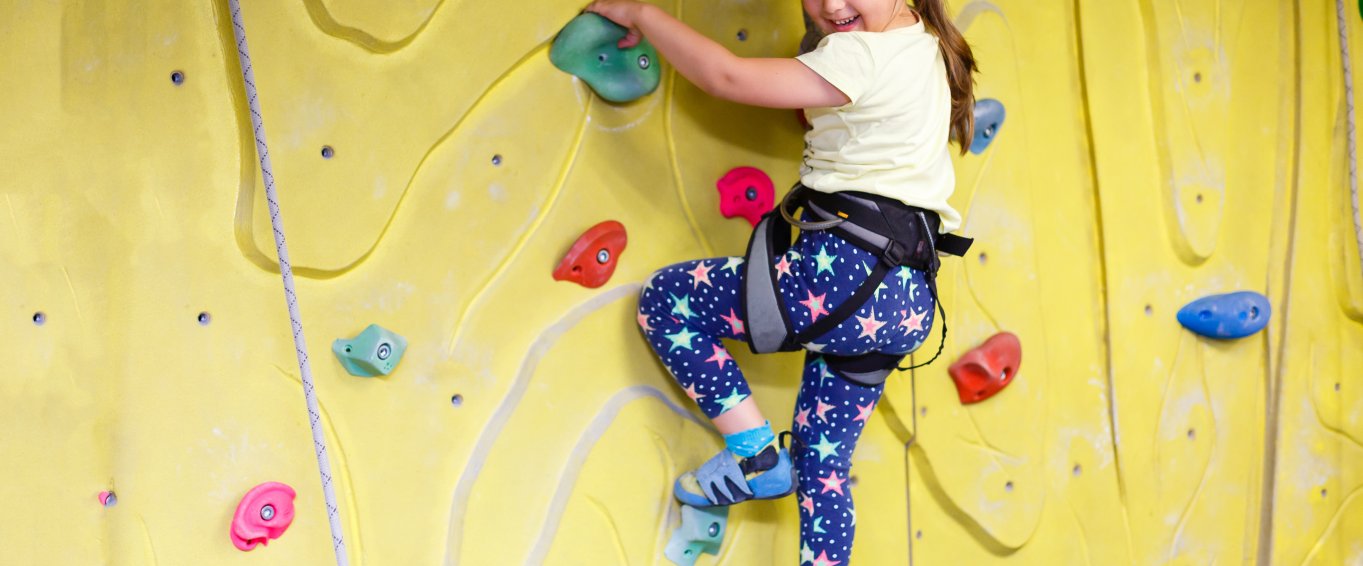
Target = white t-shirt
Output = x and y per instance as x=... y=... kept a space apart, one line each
x=891 y=139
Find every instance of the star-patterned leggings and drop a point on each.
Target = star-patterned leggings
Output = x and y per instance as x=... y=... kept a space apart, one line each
x=685 y=309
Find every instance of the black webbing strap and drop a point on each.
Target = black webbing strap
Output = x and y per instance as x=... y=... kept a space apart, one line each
x=942 y=319
x=953 y=244
x=847 y=308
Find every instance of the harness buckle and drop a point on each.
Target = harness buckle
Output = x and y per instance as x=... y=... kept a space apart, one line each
x=895 y=254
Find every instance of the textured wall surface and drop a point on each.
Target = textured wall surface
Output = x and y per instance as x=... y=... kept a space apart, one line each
x=1154 y=152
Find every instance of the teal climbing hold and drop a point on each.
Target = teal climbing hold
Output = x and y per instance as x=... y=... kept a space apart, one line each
x=701 y=530
x=376 y=351
x=586 y=48
x=989 y=114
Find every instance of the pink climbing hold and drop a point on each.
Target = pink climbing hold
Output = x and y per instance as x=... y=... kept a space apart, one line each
x=984 y=371
x=264 y=513
x=746 y=192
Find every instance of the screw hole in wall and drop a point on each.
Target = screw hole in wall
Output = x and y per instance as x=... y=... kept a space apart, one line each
x=1336 y=386
x=497 y=160
x=743 y=35
x=1008 y=487
x=328 y=152
x=1323 y=493
x=1149 y=310
x=1197 y=77
x=1199 y=198
x=923 y=411
x=852 y=481
x=457 y=400
x=918 y=535
x=205 y=318
x=983 y=258
x=1077 y=470
x=39 y=318
x=177 y=78
x=1192 y=433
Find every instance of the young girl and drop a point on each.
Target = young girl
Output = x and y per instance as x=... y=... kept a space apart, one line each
x=883 y=91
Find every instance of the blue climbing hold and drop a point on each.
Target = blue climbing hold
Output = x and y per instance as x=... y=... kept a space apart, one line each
x=1232 y=315
x=989 y=115
x=701 y=530
x=376 y=351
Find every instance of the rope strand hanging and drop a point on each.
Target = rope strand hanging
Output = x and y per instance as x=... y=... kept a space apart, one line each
x=1344 y=55
x=286 y=270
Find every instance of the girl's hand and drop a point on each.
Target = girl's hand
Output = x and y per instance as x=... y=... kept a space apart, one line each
x=623 y=12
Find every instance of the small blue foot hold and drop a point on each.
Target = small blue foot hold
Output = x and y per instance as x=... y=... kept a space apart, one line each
x=701 y=530
x=376 y=351
x=1232 y=315
x=989 y=115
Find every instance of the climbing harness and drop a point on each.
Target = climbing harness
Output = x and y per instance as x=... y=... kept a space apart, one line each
x=898 y=234
x=286 y=270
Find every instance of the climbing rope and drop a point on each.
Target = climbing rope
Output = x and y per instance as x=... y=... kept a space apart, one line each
x=1343 y=25
x=285 y=269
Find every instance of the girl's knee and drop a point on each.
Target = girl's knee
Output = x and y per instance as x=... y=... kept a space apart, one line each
x=820 y=460
x=648 y=295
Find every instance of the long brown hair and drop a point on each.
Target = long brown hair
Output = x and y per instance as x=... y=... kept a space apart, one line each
x=961 y=68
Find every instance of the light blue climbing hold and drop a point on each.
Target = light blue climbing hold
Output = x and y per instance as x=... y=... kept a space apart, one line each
x=989 y=115
x=701 y=530
x=1232 y=315
x=376 y=351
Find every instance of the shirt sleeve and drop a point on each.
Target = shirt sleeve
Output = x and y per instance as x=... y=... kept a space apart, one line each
x=843 y=60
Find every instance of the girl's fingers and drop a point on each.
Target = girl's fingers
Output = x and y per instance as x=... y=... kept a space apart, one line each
x=630 y=40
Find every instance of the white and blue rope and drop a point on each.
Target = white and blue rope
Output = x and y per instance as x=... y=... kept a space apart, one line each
x=286 y=269
x=1344 y=55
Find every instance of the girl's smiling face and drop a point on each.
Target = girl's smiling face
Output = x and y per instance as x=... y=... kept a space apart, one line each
x=858 y=15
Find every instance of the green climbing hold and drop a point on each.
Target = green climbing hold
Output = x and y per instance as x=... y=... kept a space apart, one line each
x=376 y=351
x=586 y=48
x=701 y=530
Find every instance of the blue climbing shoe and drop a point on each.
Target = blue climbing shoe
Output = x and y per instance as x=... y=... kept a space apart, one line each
x=728 y=479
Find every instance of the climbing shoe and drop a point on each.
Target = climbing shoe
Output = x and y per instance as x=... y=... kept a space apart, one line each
x=727 y=479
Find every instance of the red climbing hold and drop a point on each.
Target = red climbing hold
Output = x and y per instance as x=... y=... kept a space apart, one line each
x=264 y=513
x=591 y=260
x=746 y=192
x=987 y=369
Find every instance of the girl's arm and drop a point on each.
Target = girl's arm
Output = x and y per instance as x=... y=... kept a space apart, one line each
x=768 y=82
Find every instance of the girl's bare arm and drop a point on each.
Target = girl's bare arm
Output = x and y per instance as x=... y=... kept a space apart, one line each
x=767 y=82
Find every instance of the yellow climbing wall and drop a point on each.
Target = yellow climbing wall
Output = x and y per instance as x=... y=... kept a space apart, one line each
x=1154 y=152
